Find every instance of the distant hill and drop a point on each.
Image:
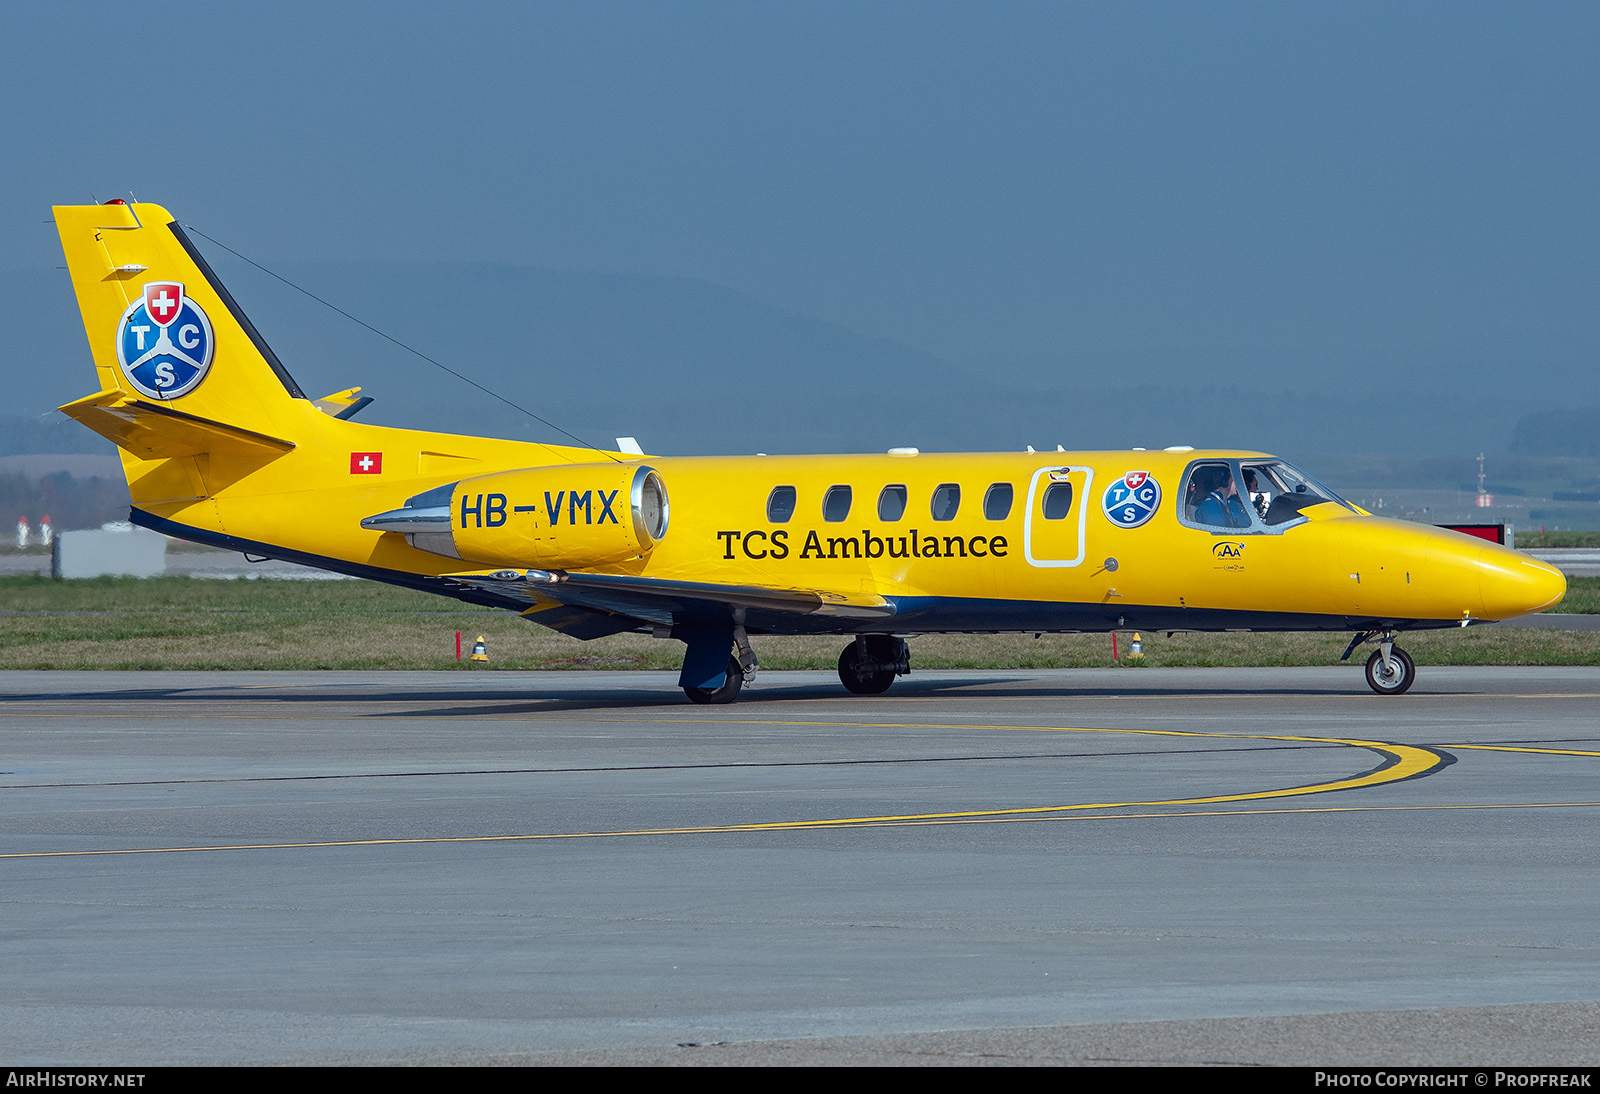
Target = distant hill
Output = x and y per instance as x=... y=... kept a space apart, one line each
x=1572 y=432
x=691 y=367
x=79 y=465
x=48 y=433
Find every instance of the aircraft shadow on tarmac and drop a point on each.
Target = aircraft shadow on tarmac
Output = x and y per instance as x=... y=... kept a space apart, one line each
x=568 y=696
x=976 y=688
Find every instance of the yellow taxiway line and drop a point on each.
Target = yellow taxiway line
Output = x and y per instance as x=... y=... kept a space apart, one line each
x=1520 y=748
x=1404 y=762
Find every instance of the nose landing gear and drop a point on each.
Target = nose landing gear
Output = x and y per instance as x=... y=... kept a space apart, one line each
x=1390 y=670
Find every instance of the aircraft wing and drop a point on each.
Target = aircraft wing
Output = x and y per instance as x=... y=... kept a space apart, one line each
x=575 y=603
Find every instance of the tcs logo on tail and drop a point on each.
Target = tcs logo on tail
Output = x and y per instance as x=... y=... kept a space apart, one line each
x=164 y=342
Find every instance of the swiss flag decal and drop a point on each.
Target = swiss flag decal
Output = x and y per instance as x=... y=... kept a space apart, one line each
x=366 y=463
x=163 y=300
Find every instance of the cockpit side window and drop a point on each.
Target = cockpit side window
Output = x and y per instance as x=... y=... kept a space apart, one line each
x=1262 y=495
x=1212 y=498
x=1279 y=491
x=1261 y=487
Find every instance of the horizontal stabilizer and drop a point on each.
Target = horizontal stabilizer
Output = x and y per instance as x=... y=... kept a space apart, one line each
x=155 y=432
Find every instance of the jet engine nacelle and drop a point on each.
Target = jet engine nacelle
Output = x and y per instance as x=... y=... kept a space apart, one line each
x=549 y=518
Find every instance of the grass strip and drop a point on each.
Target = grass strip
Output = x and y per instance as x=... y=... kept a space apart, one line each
x=190 y=623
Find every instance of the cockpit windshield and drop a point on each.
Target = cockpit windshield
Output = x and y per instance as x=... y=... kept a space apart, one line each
x=1245 y=494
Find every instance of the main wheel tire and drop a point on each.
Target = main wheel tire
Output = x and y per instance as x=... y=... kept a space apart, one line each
x=727 y=693
x=862 y=683
x=1395 y=679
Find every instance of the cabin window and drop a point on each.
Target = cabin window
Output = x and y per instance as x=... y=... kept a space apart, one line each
x=946 y=500
x=892 y=503
x=780 y=504
x=836 y=504
x=1057 y=501
x=997 y=502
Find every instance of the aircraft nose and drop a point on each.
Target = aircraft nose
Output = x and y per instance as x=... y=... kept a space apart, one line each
x=1514 y=584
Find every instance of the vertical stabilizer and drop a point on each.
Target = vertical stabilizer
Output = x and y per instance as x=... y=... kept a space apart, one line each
x=188 y=390
x=162 y=328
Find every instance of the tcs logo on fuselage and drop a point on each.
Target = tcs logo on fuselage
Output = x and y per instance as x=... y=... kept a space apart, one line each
x=1131 y=500
x=164 y=342
x=489 y=510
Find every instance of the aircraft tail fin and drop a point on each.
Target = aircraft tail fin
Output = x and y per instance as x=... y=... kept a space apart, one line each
x=188 y=388
x=161 y=326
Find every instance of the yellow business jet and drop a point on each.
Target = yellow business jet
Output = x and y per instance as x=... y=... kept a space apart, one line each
x=221 y=446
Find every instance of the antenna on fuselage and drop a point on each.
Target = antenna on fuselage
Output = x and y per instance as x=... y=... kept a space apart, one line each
x=408 y=348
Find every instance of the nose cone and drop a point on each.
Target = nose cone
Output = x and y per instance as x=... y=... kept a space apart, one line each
x=1514 y=584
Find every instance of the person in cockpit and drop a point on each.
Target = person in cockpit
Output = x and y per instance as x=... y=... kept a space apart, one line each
x=1219 y=504
x=1258 y=496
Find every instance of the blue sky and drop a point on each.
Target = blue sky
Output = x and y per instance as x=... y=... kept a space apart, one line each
x=1278 y=195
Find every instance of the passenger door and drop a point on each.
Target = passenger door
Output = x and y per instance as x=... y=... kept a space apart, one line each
x=1053 y=529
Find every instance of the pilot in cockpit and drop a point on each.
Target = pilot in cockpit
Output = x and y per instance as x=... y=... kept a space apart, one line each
x=1258 y=494
x=1219 y=504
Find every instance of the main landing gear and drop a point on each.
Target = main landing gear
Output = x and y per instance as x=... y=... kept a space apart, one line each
x=741 y=667
x=1390 y=670
x=732 y=684
x=866 y=667
x=869 y=664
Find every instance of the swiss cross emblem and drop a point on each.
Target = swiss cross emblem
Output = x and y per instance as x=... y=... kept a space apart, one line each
x=1135 y=479
x=162 y=301
x=366 y=463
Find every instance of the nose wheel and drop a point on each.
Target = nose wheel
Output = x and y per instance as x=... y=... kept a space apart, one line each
x=1390 y=670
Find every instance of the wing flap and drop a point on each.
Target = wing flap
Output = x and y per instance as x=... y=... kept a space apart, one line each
x=771 y=598
x=663 y=601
